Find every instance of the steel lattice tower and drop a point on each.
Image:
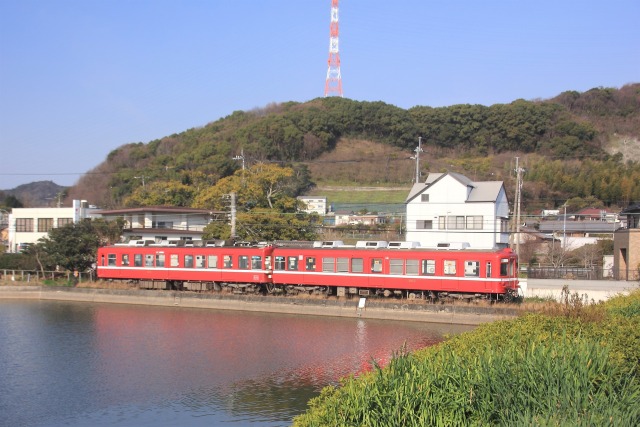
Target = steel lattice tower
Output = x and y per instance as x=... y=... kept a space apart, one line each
x=333 y=84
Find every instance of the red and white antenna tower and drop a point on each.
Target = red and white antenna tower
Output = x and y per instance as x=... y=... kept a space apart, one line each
x=333 y=85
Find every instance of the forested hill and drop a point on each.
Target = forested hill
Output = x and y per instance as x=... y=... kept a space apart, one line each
x=566 y=131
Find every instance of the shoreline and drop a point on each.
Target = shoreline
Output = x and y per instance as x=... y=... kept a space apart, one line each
x=398 y=310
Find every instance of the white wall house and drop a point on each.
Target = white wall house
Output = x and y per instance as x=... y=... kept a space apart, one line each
x=28 y=225
x=163 y=223
x=450 y=208
x=314 y=204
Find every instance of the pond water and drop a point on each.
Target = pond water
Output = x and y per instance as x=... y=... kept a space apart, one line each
x=77 y=364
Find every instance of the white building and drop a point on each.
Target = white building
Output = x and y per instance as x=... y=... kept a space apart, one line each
x=28 y=225
x=450 y=208
x=314 y=204
x=163 y=223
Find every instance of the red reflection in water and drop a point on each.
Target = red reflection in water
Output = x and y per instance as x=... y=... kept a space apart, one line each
x=183 y=349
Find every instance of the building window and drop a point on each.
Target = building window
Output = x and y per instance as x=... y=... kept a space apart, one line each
x=424 y=224
x=474 y=222
x=45 y=224
x=162 y=224
x=24 y=225
x=455 y=222
x=424 y=198
x=64 y=221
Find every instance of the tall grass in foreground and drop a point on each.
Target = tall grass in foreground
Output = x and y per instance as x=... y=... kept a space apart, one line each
x=537 y=370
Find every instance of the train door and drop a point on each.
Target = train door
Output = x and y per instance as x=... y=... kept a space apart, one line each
x=450 y=274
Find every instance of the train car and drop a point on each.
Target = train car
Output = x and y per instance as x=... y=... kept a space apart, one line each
x=245 y=269
x=411 y=273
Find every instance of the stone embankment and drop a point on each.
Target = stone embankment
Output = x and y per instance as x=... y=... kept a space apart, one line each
x=403 y=310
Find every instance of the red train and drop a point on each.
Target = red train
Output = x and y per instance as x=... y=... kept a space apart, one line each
x=369 y=268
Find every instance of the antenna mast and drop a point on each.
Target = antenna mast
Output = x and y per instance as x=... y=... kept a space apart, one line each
x=333 y=84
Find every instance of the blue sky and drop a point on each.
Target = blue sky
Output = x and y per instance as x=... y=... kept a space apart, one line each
x=79 y=78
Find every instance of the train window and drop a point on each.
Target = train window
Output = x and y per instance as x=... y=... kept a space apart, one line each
x=293 y=263
x=137 y=260
x=328 y=264
x=343 y=265
x=376 y=265
x=413 y=267
x=396 y=266
x=227 y=261
x=428 y=267
x=159 y=260
x=102 y=259
x=188 y=261
x=174 y=260
x=449 y=266
x=357 y=265
x=111 y=259
x=505 y=267
x=148 y=260
x=125 y=259
x=279 y=263
x=213 y=261
x=311 y=263
x=256 y=262
x=488 y=269
x=243 y=262
x=472 y=268
x=199 y=261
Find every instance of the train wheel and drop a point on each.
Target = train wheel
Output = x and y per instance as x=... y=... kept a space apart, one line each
x=411 y=296
x=270 y=287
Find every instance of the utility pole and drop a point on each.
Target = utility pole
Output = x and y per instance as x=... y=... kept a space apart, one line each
x=418 y=150
x=233 y=216
x=519 y=171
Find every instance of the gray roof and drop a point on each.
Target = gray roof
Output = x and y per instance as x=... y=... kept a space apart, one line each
x=579 y=226
x=483 y=191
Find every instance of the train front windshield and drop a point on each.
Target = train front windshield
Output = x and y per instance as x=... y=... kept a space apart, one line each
x=507 y=267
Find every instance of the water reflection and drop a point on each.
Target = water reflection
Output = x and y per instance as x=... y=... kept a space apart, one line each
x=71 y=364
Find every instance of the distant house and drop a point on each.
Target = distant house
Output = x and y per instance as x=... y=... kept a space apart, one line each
x=344 y=217
x=626 y=246
x=584 y=227
x=314 y=204
x=450 y=208
x=28 y=225
x=163 y=223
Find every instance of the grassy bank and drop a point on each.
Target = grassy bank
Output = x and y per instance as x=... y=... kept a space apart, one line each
x=576 y=367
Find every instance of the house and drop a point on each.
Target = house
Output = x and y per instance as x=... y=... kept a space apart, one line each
x=314 y=204
x=626 y=246
x=163 y=223
x=28 y=225
x=450 y=208
x=344 y=217
x=576 y=230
